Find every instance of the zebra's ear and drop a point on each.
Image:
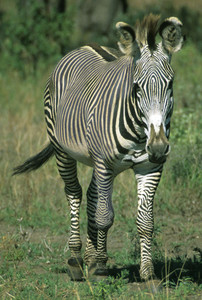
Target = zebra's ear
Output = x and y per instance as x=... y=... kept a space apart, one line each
x=171 y=33
x=127 y=43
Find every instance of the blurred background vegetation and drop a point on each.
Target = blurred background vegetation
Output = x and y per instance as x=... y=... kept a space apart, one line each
x=35 y=32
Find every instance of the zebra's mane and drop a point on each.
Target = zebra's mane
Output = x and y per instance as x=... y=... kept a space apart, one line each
x=146 y=31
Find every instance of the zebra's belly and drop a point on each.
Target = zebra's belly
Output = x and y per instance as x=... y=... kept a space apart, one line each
x=79 y=153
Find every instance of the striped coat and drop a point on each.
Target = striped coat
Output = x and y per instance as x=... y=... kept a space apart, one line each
x=111 y=109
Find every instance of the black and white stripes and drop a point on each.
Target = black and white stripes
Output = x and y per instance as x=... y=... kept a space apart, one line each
x=111 y=110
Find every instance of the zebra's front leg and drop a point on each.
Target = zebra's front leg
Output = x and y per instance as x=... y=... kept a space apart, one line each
x=100 y=216
x=147 y=185
x=68 y=171
x=104 y=216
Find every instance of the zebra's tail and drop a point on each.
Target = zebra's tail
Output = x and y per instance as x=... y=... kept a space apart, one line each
x=36 y=161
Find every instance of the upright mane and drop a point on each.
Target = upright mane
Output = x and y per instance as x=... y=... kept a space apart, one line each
x=146 y=31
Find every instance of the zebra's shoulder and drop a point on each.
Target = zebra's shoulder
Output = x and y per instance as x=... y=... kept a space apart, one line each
x=107 y=53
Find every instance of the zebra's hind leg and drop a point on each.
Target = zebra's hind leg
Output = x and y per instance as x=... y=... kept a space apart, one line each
x=91 y=241
x=68 y=171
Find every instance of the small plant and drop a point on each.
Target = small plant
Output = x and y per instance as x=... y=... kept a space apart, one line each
x=105 y=288
x=185 y=287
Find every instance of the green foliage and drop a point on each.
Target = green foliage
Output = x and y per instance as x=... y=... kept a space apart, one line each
x=37 y=32
x=34 y=34
x=105 y=288
x=186 y=141
x=184 y=127
x=184 y=287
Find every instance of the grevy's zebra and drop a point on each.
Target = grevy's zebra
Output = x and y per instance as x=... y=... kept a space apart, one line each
x=111 y=110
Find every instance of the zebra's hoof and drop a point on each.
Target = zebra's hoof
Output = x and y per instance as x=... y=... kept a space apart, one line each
x=75 y=265
x=97 y=272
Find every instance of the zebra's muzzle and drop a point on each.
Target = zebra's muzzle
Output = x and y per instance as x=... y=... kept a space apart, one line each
x=157 y=146
x=157 y=160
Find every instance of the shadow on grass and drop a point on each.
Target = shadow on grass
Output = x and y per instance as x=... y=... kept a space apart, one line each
x=172 y=271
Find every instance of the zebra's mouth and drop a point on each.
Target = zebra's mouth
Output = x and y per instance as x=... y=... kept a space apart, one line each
x=159 y=160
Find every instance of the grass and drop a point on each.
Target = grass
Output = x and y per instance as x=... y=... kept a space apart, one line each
x=34 y=215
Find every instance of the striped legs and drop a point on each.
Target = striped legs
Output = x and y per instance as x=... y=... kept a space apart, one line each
x=147 y=185
x=68 y=171
x=104 y=215
x=100 y=217
x=91 y=242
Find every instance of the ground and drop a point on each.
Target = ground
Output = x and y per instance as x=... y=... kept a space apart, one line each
x=34 y=257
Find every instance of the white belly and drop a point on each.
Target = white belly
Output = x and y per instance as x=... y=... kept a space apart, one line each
x=79 y=153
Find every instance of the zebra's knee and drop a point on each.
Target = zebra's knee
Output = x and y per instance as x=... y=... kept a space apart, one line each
x=104 y=220
x=104 y=225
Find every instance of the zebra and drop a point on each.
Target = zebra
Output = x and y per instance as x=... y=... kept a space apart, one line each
x=110 y=109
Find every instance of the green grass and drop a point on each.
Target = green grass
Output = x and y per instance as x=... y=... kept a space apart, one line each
x=34 y=215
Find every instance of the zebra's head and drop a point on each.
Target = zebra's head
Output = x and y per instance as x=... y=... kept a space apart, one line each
x=153 y=77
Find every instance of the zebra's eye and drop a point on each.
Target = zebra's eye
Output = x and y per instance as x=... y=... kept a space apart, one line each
x=136 y=91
